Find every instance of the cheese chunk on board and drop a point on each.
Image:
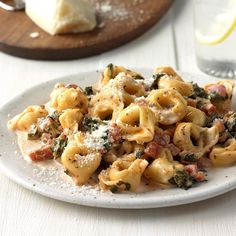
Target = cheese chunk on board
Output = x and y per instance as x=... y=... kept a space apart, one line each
x=62 y=16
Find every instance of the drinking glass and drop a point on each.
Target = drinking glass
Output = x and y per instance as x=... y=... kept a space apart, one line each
x=215 y=37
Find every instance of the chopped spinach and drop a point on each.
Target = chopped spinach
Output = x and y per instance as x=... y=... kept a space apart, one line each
x=211 y=118
x=88 y=90
x=182 y=180
x=189 y=158
x=127 y=185
x=111 y=69
x=121 y=185
x=139 y=154
x=230 y=123
x=113 y=189
x=198 y=92
x=58 y=146
x=54 y=115
x=107 y=143
x=89 y=124
x=156 y=78
x=33 y=132
x=138 y=77
x=215 y=97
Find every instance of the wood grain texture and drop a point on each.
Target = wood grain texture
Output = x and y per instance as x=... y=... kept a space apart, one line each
x=121 y=22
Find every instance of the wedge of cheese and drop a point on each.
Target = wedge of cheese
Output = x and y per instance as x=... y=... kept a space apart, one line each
x=62 y=16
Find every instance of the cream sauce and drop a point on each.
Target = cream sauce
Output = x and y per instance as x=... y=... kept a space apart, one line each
x=27 y=146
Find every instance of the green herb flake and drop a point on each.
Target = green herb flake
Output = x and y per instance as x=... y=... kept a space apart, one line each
x=215 y=97
x=211 y=118
x=54 y=115
x=88 y=90
x=59 y=146
x=230 y=123
x=182 y=180
x=111 y=69
x=126 y=185
x=138 y=77
x=33 y=133
x=139 y=154
x=89 y=124
x=198 y=92
x=156 y=78
x=189 y=158
x=106 y=142
x=113 y=189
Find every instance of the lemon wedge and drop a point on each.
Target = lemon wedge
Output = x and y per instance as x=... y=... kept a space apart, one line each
x=218 y=30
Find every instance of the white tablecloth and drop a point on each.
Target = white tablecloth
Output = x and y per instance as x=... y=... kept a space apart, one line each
x=23 y=212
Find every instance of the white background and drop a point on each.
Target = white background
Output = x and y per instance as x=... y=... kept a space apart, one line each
x=25 y=213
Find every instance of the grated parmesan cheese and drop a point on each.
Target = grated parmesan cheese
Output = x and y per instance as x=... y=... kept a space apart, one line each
x=95 y=140
x=85 y=160
x=149 y=81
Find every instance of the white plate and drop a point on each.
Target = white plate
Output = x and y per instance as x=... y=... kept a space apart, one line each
x=51 y=182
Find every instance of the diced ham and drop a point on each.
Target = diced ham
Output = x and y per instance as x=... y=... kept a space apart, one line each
x=45 y=123
x=223 y=137
x=46 y=138
x=204 y=163
x=192 y=102
x=162 y=138
x=218 y=88
x=153 y=149
x=208 y=108
x=200 y=176
x=174 y=150
x=114 y=133
x=193 y=171
x=219 y=124
x=41 y=154
x=170 y=131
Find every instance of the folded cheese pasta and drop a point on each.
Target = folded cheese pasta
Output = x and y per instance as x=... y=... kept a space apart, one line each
x=224 y=155
x=26 y=118
x=130 y=133
x=137 y=123
x=111 y=71
x=168 y=105
x=70 y=97
x=169 y=79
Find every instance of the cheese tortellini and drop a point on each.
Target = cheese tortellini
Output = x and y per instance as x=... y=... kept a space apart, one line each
x=80 y=163
x=63 y=98
x=111 y=71
x=195 y=116
x=124 y=173
x=115 y=96
x=71 y=119
x=193 y=138
x=224 y=155
x=137 y=123
x=168 y=105
x=163 y=168
x=26 y=118
x=171 y=80
x=130 y=133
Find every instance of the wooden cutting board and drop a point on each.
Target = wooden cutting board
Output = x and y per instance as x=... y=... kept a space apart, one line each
x=119 y=21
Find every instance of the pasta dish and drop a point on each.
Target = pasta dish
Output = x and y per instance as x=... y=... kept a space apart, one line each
x=127 y=130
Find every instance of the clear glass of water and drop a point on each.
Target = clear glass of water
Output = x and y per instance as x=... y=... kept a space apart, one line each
x=215 y=37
